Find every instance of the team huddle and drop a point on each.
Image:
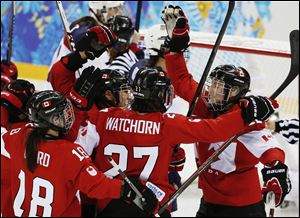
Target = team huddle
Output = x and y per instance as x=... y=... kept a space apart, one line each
x=109 y=99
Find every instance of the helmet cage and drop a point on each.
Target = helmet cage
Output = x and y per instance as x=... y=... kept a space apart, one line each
x=216 y=94
x=220 y=89
x=123 y=90
x=56 y=115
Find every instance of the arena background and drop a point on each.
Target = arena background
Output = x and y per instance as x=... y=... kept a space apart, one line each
x=38 y=31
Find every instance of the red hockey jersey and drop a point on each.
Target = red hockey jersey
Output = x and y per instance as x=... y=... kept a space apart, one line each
x=232 y=179
x=52 y=190
x=6 y=198
x=142 y=145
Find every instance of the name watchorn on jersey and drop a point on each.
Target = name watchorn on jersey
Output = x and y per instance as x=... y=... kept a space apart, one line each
x=133 y=126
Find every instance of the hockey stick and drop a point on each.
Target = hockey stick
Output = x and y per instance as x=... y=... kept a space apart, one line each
x=271 y=200
x=67 y=30
x=211 y=58
x=293 y=73
x=138 y=193
x=210 y=61
x=138 y=15
x=10 y=33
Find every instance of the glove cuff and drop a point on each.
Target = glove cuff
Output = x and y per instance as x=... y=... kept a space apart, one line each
x=80 y=102
x=73 y=61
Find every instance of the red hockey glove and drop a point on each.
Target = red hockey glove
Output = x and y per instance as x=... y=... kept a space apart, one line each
x=127 y=193
x=5 y=80
x=15 y=96
x=177 y=161
x=276 y=179
x=83 y=93
x=257 y=108
x=9 y=69
x=178 y=39
x=96 y=41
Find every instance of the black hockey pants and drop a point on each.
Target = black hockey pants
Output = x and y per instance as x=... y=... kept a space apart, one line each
x=215 y=210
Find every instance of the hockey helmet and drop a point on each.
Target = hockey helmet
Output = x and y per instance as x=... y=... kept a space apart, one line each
x=152 y=85
x=49 y=109
x=225 y=85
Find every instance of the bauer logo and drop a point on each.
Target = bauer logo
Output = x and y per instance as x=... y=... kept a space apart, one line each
x=160 y=194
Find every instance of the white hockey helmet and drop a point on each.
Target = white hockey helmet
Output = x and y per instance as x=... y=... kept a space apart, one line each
x=154 y=39
x=104 y=9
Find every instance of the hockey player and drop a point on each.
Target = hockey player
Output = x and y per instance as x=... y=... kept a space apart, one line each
x=155 y=50
x=154 y=39
x=121 y=57
x=114 y=90
x=44 y=183
x=13 y=100
x=231 y=185
x=140 y=138
x=100 y=12
x=103 y=10
x=9 y=72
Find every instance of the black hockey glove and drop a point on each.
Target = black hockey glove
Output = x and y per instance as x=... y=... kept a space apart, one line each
x=178 y=39
x=276 y=179
x=73 y=61
x=96 y=41
x=127 y=193
x=257 y=108
x=83 y=93
x=9 y=69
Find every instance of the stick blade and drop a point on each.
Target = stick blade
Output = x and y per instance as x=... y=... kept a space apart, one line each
x=294 y=69
x=294 y=40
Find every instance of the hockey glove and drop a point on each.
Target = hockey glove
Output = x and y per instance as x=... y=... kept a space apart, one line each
x=15 y=96
x=83 y=93
x=257 y=108
x=5 y=80
x=276 y=179
x=96 y=41
x=177 y=161
x=9 y=69
x=178 y=39
x=127 y=193
x=73 y=61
